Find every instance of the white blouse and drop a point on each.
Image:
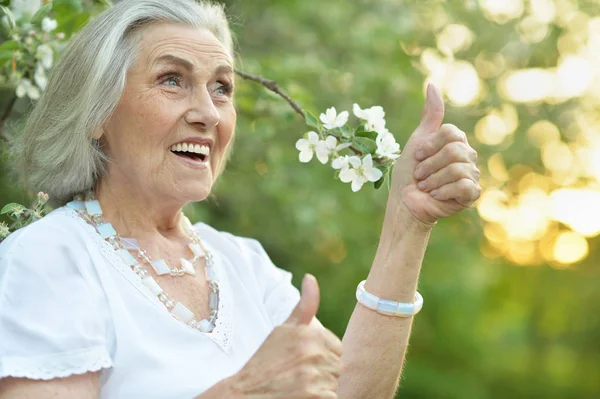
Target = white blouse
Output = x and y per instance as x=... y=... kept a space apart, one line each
x=69 y=305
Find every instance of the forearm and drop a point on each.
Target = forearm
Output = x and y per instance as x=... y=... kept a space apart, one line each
x=374 y=345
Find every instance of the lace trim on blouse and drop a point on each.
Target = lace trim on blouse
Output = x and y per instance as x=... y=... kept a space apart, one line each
x=56 y=366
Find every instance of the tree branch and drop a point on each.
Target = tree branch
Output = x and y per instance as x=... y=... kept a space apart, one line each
x=5 y=115
x=274 y=87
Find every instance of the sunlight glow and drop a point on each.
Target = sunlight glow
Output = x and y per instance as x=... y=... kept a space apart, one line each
x=570 y=247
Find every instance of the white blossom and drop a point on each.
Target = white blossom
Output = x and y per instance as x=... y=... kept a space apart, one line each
x=25 y=87
x=46 y=55
x=48 y=24
x=40 y=77
x=329 y=147
x=325 y=148
x=307 y=146
x=387 y=146
x=4 y=230
x=373 y=117
x=332 y=120
x=22 y=8
x=359 y=172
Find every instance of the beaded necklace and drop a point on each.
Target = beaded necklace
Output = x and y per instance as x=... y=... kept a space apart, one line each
x=90 y=210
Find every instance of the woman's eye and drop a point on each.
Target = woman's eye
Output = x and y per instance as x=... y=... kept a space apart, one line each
x=171 y=80
x=224 y=89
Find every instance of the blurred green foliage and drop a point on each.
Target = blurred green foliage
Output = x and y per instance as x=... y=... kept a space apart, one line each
x=489 y=329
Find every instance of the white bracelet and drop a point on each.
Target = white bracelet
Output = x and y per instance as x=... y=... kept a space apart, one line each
x=388 y=308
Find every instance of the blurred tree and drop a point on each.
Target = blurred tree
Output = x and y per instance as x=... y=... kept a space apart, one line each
x=511 y=287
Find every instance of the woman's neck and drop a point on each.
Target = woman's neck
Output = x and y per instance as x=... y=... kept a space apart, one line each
x=135 y=214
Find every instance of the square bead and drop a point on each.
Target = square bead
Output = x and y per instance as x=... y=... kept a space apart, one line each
x=210 y=273
x=106 y=230
x=213 y=301
x=387 y=307
x=152 y=285
x=182 y=313
x=93 y=208
x=160 y=267
x=77 y=205
x=368 y=299
x=130 y=243
x=196 y=249
x=187 y=266
x=127 y=257
x=206 y=326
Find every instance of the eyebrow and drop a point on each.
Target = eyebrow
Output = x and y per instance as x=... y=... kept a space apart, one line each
x=168 y=58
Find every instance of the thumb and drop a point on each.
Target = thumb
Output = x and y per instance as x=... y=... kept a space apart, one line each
x=310 y=298
x=433 y=111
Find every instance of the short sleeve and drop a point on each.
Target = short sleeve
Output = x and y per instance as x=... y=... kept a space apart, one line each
x=279 y=295
x=54 y=318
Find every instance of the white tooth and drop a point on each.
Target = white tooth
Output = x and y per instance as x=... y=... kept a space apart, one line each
x=204 y=150
x=197 y=149
x=173 y=147
x=178 y=147
x=184 y=147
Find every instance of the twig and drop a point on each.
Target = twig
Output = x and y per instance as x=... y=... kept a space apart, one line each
x=5 y=115
x=274 y=87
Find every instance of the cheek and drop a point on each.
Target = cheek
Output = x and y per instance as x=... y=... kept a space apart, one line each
x=226 y=129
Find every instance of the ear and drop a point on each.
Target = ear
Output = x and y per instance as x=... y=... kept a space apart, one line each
x=98 y=133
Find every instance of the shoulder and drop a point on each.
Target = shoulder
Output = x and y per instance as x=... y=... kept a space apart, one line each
x=60 y=227
x=56 y=241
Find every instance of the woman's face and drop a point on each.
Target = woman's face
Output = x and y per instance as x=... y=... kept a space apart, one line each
x=169 y=134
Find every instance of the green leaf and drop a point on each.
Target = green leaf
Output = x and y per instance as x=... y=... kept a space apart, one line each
x=369 y=135
x=41 y=14
x=8 y=208
x=311 y=120
x=62 y=7
x=8 y=23
x=380 y=182
x=5 y=56
x=9 y=45
x=365 y=145
x=345 y=131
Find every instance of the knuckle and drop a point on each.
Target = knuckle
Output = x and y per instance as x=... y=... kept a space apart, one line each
x=466 y=185
x=474 y=155
x=455 y=151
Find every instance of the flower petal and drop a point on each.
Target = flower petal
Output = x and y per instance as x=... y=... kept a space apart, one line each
x=359 y=113
x=330 y=142
x=343 y=146
x=347 y=175
x=354 y=161
x=367 y=162
x=302 y=145
x=339 y=162
x=373 y=174
x=313 y=138
x=341 y=119
x=322 y=152
x=357 y=183
x=305 y=156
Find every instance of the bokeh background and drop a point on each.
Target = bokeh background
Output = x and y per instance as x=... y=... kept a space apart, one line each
x=511 y=287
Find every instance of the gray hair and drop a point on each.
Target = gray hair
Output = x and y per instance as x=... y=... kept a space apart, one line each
x=55 y=151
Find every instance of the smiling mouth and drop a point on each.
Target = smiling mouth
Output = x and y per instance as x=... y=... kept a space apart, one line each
x=196 y=152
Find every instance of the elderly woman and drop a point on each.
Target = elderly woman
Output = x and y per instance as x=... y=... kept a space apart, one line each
x=116 y=295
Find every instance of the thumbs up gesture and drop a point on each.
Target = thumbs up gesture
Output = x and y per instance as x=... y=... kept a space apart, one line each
x=437 y=175
x=299 y=359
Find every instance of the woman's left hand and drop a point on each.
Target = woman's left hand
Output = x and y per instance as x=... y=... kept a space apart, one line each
x=436 y=176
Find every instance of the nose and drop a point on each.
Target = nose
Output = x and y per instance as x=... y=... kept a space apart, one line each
x=202 y=114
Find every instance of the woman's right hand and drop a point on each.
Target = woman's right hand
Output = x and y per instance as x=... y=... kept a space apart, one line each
x=299 y=359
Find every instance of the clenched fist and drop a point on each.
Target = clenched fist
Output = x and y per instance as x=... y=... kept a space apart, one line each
x=437 y=175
